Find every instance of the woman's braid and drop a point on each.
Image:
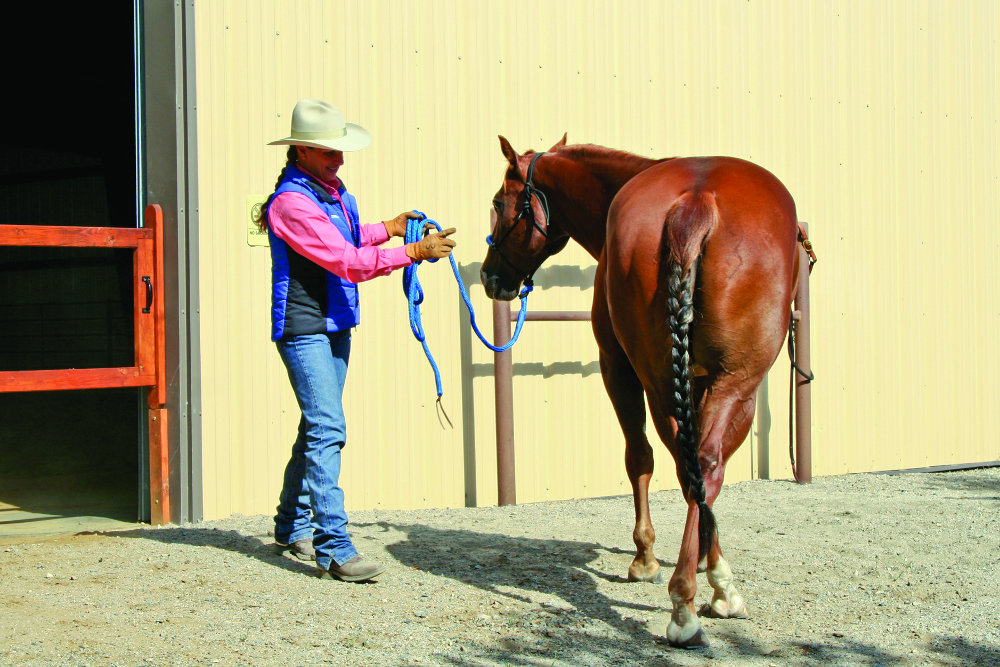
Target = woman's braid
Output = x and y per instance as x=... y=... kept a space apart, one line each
x=261 y=218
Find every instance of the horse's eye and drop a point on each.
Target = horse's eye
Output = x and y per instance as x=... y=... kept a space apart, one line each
x=497 y=205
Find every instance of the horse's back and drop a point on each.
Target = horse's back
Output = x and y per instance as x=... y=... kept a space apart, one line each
x=747 y=264
x=743 y=191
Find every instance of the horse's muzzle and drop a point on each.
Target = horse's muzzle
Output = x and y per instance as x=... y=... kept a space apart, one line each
x=495 y=290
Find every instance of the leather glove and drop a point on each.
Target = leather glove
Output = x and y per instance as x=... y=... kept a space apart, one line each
x=397 y=226
x=432 y=246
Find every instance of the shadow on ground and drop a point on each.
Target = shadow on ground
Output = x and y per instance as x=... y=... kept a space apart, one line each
x=526 y=569
x=260 y=547
x=983 y=487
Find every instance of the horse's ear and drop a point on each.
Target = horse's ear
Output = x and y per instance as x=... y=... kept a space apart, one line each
x=559 y=144
x=508 y=151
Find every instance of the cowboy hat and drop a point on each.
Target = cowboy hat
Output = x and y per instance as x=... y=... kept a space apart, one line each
x=321 y=125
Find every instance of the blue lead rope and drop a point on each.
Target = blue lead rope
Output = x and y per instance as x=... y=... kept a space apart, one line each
x=415 y=296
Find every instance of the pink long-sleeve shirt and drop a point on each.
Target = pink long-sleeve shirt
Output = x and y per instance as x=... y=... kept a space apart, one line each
x=298 y=221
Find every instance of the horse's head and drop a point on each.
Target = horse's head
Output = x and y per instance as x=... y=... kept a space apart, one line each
x=523 y=234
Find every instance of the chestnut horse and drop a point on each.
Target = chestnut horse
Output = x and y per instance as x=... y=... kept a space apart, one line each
x=697 y=261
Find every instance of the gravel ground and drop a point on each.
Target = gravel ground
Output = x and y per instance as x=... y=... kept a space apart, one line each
x=852 y=570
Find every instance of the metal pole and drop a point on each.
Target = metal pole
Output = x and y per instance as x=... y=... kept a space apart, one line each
x=503 y=372
x=803 y=387
x=554 y=316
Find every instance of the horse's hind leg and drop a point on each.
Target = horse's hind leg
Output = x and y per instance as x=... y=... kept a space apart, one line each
x=626 y=395
x=684 y=629
x=726 y=600
x=727 y=420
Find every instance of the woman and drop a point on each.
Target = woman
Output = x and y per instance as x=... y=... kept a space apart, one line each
x=319 y=252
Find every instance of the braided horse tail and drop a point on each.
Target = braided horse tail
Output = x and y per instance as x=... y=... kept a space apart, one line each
x=689 y=222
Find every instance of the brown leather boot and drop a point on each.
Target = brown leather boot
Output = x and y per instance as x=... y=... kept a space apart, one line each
x=356 y=569
x=303 y=549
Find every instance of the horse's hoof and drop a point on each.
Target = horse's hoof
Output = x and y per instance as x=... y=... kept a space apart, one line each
x=722 y=611
x=740 y=613
x=655 y=578
x=695 y=641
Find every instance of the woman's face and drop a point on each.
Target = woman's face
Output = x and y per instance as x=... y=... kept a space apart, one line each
x=320 y=162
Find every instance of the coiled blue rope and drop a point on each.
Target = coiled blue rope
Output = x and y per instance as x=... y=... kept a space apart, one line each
x=415 y=296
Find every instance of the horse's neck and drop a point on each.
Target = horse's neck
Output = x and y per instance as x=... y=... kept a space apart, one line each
x=611 y=167
x=588 y=188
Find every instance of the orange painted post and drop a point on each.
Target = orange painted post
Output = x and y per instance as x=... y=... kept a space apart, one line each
x=803 y=385
x=159 y=449
x=159 y=468
x=503 y=377
x=154 y=221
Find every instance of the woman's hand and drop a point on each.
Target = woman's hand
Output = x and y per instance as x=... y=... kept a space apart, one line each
x=397 y=226
x=432 y=246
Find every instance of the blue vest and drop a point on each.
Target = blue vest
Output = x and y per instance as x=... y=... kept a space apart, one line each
x=305 y=297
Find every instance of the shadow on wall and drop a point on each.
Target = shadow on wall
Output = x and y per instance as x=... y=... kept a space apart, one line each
x=546 y=277
x=556 y=275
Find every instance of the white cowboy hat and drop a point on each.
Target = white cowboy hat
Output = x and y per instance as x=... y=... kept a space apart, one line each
x=321 y=125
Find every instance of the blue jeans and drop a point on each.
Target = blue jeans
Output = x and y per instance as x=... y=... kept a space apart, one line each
x=317 y=368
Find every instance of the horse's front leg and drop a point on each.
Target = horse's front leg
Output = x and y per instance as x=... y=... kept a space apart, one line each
x=627 y=397
x=639 y=466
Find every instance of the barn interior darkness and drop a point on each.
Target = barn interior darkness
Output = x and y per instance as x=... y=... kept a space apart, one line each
x=67 y=157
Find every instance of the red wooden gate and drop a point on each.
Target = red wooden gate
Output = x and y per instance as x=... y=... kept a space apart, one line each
x=149 y=360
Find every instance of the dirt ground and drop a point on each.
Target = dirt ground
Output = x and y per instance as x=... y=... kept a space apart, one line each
x=852 y=570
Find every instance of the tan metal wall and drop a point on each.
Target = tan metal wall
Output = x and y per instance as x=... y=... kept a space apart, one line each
x=881 y=118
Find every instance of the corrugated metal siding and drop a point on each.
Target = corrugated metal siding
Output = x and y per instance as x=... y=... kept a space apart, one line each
x=882 y=119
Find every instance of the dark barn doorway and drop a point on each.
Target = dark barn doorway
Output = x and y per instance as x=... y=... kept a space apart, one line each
x=68 y=155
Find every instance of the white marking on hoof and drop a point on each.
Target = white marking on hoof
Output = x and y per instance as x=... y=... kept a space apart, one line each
x=685 y=628
x=726 y=602
x=721 y=609
x=678 y=637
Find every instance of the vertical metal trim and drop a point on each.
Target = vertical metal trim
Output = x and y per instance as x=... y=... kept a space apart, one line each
x=138 y=95
x=161 y=186
x=187 y=144
x=170 y=179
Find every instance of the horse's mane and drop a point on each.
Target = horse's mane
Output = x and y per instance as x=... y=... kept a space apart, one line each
x=617 y=166
x=595 y=152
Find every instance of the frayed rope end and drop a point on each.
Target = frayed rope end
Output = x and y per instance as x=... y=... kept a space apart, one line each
x=440 y=410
